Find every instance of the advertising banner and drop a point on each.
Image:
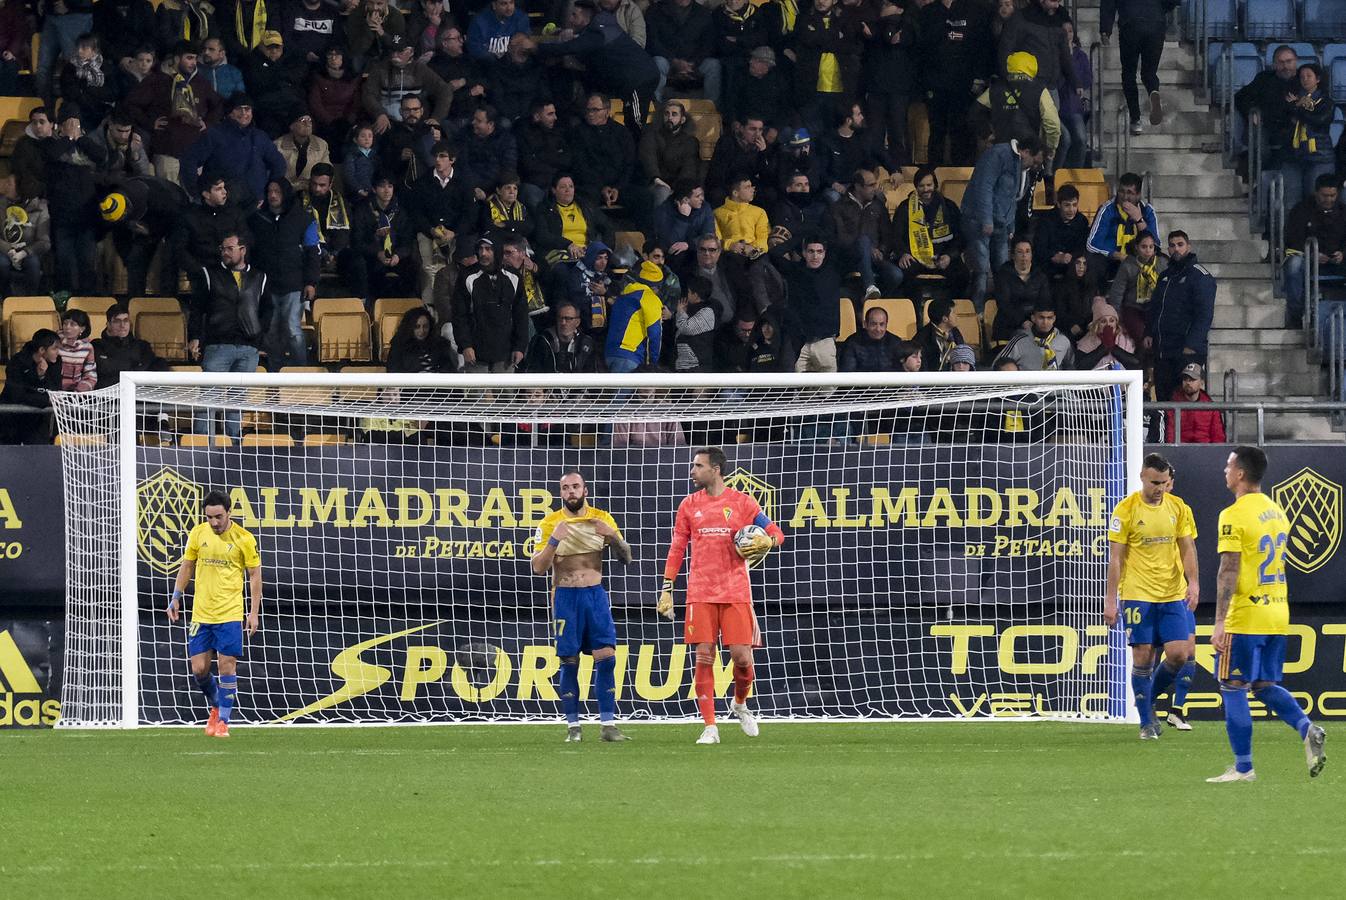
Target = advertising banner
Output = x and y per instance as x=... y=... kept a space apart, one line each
x=32 y=527
x=31 y=658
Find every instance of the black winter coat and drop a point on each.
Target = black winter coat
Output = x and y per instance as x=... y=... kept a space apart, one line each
x=285 y=244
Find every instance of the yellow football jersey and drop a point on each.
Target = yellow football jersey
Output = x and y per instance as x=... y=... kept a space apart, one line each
x=582 y=537
x=222 y=561
x=1153 y=571
x=1256 y=528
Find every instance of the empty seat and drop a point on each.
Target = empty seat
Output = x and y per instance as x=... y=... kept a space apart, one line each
x=1092 y=198
x=267 y=440
x=901 y=315
x=953 y=190
x=1222 y=18
x=165 y=332
x=325 y=440
x=343 y=329
x=633 y=239
x=1236 y=66
x=1078 y=177
x=988 y=315
x=31 y=314
x=1265 y=20
x=1324 y=20
x=205 y=440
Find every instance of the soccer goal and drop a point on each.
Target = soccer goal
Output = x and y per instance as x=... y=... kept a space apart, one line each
x=946 y=548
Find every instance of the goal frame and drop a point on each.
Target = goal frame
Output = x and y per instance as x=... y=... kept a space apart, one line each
x=1130 y=382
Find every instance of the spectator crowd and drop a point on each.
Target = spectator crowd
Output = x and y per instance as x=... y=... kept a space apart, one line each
x=487 y=157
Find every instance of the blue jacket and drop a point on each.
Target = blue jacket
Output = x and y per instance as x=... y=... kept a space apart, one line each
x=671 y=226
x=1111 y=229
x=617 y=63
x=239 y=155
x=1181 y=309
x=993 y=192
x=225 y=78
x=635 y=324
x=488 y=37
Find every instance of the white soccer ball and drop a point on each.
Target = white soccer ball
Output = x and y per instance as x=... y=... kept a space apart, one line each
x=745 y=537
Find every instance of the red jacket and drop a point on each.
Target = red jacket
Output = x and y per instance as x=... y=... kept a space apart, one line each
x=1199 y=426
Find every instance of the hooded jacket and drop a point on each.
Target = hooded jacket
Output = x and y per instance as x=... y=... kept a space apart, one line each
x=490 y=315
x=245 y=157
x=635 y=324
x=616 y=62
x=285 y=243
x=672 y=227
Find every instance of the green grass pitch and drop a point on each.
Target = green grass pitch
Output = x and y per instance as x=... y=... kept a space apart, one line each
x=818 y=810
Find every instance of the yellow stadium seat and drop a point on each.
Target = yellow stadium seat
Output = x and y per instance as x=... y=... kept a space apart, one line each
x=267 y=440
x=21 y=326
x=633 y=239
x=138 y=305
x=901 y=315
x=876 y=440
x=1078 y=177
x=965 y=319
x=953 y=190
x=707 y=122
x=1092 y=197
x=847 y=316
x=10 y=132
x=343 y=329
x=165 y=332
x=388 y=313
x=893 y=197
x=325 y=440
x=305 y=395
x=988 y=315
x=205 y=440
x=366 y=370
x=185 y=369
x=953 y=173
x=81 y=440
x=18 y=107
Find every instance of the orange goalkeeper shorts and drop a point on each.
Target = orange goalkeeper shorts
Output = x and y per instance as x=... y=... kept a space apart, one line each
x=722 y=623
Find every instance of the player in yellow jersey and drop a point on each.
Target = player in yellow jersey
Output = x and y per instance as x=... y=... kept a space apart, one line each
x=1152 y=571
x=570 y=543
x=1252 y=616
x=1177 y=708
x=219 y=553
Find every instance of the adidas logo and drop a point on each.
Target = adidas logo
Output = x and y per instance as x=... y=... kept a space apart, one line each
x=21 y=699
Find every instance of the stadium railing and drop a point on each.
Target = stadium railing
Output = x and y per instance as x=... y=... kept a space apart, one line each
x=1259 y=409
x=1275 y=202
x=1096 y=102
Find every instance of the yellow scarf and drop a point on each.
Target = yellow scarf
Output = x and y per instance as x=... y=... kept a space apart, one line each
x=253 y=41
x=1300 y=139
x=502 y=216
x=184 y=98
x=920 y=236
x=336 y=219
x=789 y=11
x=196 y=17
x=1146 y=278
x=1049 y=360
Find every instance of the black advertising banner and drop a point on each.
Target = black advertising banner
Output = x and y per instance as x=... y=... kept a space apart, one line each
x=31 y=658
x=32 y=527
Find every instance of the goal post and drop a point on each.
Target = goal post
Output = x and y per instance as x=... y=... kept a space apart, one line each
x=945 y=558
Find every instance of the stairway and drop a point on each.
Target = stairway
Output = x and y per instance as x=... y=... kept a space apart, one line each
x=1192 y=190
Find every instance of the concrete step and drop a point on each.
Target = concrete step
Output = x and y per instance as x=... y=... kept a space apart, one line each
x=1170 y=75
x=1228 y=251
x=1307 y=427
x=1204 y=228
x=1229 y=206
x=1241 y=271
x=1223 y=184
x=1277 y=340
x=1256 y=315
x=1162 y=162
x=1244 y=293
x=1163 y=139
x=1177 y=99
x=1246 y=359
x=1269 y=384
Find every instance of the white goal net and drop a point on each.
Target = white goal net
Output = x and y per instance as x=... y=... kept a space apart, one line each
x=945 y=558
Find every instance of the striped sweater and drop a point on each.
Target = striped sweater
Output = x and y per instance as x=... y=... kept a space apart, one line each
x=79 y=366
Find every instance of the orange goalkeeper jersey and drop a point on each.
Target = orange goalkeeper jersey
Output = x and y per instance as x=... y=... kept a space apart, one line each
x=717 y=573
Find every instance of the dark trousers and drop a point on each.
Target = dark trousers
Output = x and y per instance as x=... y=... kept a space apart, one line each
x=889 y=112
x=1144 y=47
x=73 y=247
x=137 y=253
x=948 y=105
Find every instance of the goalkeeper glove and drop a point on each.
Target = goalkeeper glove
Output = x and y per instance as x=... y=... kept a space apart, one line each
x=755 y=553
x=665 y=605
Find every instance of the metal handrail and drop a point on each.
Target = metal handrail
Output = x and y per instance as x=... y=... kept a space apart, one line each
x=1336 y=356
x=1255 y=192
x=1276 y=252
x=1312 y=292
x=1202 y=43
x=1229 y=151
x=1123 y=141
x=1231 y=394
x=1337 y=408
x=1096 y=101
x=1147 y=190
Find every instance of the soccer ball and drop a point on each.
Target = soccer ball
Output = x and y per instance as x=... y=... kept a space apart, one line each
x=745 y=536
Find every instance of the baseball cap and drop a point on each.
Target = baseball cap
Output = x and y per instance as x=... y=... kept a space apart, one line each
x=272 y=39
x=1193 y=370
x=801 y=138
x=113 y=207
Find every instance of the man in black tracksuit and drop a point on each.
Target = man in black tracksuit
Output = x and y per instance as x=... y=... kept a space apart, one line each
x=490 y=315
x=286 y=249
x=1142 y=24
x=956 y=58
x=224 y=325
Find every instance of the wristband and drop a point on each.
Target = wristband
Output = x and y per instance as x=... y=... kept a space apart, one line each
x=177 y=598
x=553 y=542
x=668 y=584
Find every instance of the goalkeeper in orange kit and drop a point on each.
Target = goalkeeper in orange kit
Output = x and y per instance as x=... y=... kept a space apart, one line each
x=719 y=595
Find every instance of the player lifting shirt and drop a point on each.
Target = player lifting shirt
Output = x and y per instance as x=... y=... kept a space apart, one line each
x=570 y=543
x=719 y=594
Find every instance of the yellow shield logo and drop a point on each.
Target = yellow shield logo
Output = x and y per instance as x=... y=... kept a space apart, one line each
x=1313 y=505
x=167 y=506
x=757 y=489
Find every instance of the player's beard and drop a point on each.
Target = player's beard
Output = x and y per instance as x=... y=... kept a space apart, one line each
x=575 y=504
